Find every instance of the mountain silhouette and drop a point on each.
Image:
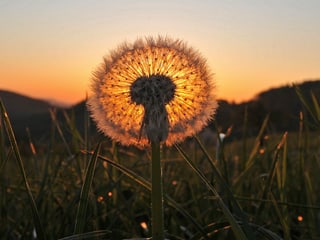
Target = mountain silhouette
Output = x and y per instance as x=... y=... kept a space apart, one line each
x=282 y=104
x=19 y=105
x=26 y=112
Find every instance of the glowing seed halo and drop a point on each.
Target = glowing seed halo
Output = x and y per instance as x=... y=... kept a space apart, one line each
x=116 y=113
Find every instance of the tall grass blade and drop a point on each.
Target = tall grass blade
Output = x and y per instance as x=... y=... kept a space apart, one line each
x=315 y=113
x=310 y=191
x=282 y=210
x=76 y=141
x=2 y=145
x=250 y=162
x=237 y=230
x=3 y=178
x=282 y=218
x=14 y=145
x=72 y=126
x=253 y=152
x=3 y=158
x=84 y=195
x=316 y=106
x=114 y=172
x=54 y=119
x=271 y=173
x=86 y=129
x=144 y=183
x=218 y=176
x=224 y=185
x=244 y=138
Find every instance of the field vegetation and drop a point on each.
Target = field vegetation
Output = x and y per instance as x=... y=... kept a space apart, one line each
x=77 y=184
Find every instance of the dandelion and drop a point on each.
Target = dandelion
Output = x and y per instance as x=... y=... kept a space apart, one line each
x=152 y=90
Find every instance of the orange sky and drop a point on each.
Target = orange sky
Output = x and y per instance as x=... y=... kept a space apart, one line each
x=48 y=49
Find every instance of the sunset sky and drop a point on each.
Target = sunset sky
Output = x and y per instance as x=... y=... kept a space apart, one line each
x=48 y=49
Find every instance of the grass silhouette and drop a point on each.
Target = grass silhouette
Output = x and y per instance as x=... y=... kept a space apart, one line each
x=249 y=190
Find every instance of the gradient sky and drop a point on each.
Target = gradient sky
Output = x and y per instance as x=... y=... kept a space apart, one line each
x=48 y=49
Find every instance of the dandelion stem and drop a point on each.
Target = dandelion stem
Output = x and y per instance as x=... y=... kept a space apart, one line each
x=156 y=194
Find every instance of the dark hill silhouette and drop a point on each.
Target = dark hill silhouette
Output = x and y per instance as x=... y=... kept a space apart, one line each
x=282 y=104
x=26 y=112
x=19 y=105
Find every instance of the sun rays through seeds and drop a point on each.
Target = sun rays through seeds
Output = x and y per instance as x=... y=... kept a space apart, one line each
x=156 y=89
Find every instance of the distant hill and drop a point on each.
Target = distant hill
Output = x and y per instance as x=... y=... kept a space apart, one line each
x=19 y=105
x=26 y=112
x=282 y=104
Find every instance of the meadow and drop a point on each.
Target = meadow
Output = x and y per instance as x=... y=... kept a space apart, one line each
x=81 y=185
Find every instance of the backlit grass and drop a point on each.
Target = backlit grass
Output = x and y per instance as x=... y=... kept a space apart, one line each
x=83 y=186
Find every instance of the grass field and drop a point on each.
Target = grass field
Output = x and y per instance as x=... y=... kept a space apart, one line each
x=84 y=186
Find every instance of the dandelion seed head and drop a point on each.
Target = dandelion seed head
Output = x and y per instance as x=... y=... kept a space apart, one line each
x=152 y=90
x=156 y=89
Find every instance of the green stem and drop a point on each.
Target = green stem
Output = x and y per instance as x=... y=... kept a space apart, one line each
x=156 y=194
